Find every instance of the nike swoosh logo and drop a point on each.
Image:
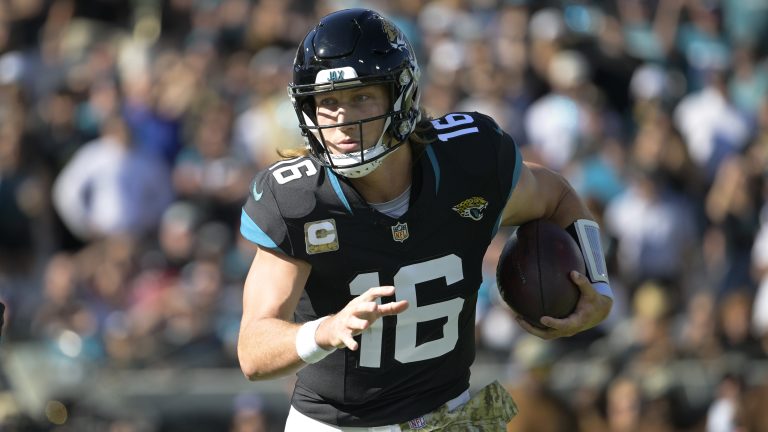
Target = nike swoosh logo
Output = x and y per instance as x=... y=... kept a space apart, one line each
x=257 y=194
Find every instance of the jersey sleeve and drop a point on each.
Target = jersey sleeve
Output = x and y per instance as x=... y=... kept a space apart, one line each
x=261 y=221
x=510 y=162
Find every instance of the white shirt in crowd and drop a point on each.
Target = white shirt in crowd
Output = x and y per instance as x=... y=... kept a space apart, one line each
x=108 y=188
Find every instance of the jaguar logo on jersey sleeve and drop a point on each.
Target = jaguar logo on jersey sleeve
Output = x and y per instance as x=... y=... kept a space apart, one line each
x=471 y=208
x=321 y=236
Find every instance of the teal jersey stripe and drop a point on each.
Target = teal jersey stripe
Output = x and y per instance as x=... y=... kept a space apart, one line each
x=515 y=178
x=253 y=233
x=337 y=188
x=435 y=167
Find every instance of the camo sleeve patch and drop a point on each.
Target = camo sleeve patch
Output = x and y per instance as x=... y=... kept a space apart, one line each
x=489 y=410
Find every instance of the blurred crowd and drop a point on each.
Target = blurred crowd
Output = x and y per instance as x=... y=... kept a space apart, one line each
x=130 y=129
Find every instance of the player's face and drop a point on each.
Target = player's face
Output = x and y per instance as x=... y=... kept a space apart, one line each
x=351 y=105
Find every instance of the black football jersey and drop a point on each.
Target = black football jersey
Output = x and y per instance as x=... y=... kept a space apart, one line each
x=409 y=364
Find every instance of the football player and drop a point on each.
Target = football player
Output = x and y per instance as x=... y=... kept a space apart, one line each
x=370 y=243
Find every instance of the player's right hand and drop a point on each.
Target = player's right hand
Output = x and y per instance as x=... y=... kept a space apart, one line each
x=340 y=329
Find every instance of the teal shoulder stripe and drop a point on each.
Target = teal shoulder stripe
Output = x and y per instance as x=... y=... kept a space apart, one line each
x=435 y=166
x=252 y=232
x=337 y=188
x=515 y=179
x=518 y=166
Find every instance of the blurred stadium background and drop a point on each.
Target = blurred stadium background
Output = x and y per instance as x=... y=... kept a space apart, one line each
x=129 y=131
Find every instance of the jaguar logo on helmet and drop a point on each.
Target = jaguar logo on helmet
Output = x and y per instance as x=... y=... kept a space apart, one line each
x=471 y=208
x=394 y=35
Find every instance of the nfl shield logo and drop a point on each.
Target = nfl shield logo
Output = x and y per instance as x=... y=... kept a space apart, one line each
x=417 y=423
x=400 y=232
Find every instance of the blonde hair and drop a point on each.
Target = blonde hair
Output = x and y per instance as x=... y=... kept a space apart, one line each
x=423 y=134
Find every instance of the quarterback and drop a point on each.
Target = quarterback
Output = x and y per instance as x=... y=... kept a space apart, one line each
x=370 y=243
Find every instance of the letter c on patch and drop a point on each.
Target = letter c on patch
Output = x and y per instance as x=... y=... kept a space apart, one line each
x=321 y=236
x=321 y=233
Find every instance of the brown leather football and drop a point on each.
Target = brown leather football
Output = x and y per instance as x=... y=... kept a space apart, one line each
x=533 y=271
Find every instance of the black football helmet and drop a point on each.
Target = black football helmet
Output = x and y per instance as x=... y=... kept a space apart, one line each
x=353 y=48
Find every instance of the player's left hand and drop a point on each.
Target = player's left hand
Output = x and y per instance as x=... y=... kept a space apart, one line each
x=591 y=309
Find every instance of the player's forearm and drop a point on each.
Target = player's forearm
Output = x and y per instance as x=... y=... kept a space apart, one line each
x=267 y=349
x=543 y=194
x=571 y=213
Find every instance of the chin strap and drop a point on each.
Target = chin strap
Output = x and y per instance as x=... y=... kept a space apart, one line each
x=587 y=235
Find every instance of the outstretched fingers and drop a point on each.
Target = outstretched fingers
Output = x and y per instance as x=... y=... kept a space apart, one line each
x=393 y=308
x=376 y=292
x=350 y=342
x=362 y=312
x=368 y=303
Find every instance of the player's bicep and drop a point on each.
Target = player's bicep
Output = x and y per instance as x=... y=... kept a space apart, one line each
x=273 y=286
x=536 y=195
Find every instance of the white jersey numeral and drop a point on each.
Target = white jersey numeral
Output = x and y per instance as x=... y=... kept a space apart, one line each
x=453 y=120
x=286 y=173
x=405 y=281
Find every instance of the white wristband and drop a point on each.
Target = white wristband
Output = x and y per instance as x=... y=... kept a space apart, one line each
x=306 y=346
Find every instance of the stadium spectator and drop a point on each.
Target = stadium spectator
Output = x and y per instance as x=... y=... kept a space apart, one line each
x=109 y=187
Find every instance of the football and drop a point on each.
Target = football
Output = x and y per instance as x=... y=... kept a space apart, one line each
x=533 y=271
